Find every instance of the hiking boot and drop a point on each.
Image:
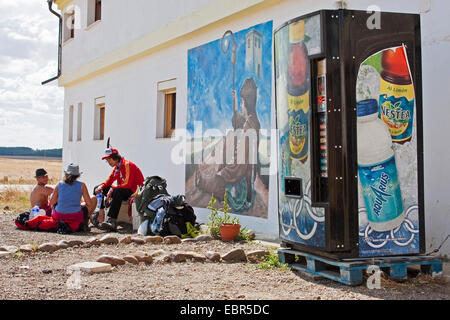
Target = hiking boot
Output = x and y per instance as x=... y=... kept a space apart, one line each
x=110 y=225
x=94 y=219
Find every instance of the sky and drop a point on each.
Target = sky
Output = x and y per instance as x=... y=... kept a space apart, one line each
x=31 y=115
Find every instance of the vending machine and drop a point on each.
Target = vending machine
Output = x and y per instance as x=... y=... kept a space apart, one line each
x=350 y=142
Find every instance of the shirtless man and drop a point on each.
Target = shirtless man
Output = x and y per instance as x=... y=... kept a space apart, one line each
x=41 y=192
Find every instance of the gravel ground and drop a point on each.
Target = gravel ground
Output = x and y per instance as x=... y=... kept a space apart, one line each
x=44 y=275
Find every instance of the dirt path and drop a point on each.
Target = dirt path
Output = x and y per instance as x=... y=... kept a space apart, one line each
x=44 y=275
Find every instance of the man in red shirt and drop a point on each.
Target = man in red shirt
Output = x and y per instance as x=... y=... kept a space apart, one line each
x=127 y=177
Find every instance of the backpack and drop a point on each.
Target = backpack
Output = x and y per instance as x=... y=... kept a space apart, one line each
x=153 y=186
x=174 y=222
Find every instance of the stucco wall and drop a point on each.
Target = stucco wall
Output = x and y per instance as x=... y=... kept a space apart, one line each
x=131 y=96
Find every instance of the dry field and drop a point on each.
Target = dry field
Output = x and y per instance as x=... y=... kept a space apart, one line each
x=21 y=171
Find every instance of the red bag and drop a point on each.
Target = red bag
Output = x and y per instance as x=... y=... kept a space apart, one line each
x=42 y=223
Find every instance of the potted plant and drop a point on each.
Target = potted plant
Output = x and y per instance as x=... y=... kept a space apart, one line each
x=221 y=223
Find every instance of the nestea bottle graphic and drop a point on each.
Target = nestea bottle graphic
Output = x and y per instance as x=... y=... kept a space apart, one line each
x=298 y=87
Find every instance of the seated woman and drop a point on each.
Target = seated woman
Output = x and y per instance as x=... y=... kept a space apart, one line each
x=67 y=197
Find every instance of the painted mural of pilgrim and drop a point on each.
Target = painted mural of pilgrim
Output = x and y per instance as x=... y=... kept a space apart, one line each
x=238 y=175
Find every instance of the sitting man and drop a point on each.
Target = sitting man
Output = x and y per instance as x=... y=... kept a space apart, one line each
x=41 y=193
x=127 y=176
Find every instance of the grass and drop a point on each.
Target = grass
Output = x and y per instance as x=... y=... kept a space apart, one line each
x=271 y=261
x=14 y=199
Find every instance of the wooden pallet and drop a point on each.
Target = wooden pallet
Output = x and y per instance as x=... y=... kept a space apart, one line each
x=350 y=272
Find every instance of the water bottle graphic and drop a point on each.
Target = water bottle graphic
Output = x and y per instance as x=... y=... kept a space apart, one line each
x=377 y=169
x=157 y=222
x=34 y=212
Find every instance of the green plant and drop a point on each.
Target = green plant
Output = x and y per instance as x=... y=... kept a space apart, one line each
x=272 y=261
x=219 y=216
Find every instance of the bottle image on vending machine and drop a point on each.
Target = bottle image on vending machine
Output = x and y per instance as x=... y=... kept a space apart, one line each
x=298 y=87
x=396 y=94
x=377 y=169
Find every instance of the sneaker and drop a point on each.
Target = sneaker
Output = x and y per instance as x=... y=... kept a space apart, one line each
x=110 y=225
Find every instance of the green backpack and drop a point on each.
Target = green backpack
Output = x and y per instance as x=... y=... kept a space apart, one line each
x=153 y=186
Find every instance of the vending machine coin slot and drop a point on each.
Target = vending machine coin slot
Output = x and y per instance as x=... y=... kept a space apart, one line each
x=293 y=187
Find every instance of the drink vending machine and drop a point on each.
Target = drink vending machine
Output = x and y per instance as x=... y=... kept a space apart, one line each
x=350 y=143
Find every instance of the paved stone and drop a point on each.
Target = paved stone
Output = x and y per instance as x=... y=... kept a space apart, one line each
x=156 y=253
x=235 y=255
x=188 y=240
x=91 y=267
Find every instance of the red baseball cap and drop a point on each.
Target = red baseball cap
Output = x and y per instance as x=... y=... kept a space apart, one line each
x=109 y=152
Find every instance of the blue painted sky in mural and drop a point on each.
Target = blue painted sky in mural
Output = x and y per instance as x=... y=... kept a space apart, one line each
x=210 y=81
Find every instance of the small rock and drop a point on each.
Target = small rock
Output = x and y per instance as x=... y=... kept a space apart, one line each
x=112 y=260
x=109 y=239
x=6 y=208
x=48 y=247
x=172 y=240
x=138 y=240
x=12 y=249
x=212 y=256
x=162 y=259
x=154 y=239
x=257 y=255
x=125 y=240
x=93 y=241
x=28 y=248
x=235 y=255
x=143 y=257
x=157 y=253
x=204 y=237
x=3 y=248
x=191 y=255
x=4 y=254
x=73 y=243
x=252 y=234
x=47 y=271
x=131 y=259
x=188 y=240
x=63 y=244
x=177 y=257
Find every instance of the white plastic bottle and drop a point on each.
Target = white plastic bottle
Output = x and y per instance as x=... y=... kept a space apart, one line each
x=34 y=212
x=377 y=169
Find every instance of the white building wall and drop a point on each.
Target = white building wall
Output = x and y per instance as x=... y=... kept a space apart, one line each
x=131 y=95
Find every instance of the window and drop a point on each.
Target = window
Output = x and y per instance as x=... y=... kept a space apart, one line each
x=166 y=109
x=79 y=121
x=69 y=25
x=94 y=11
x=99 y=119
x=170 y=113
x=71 y=123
